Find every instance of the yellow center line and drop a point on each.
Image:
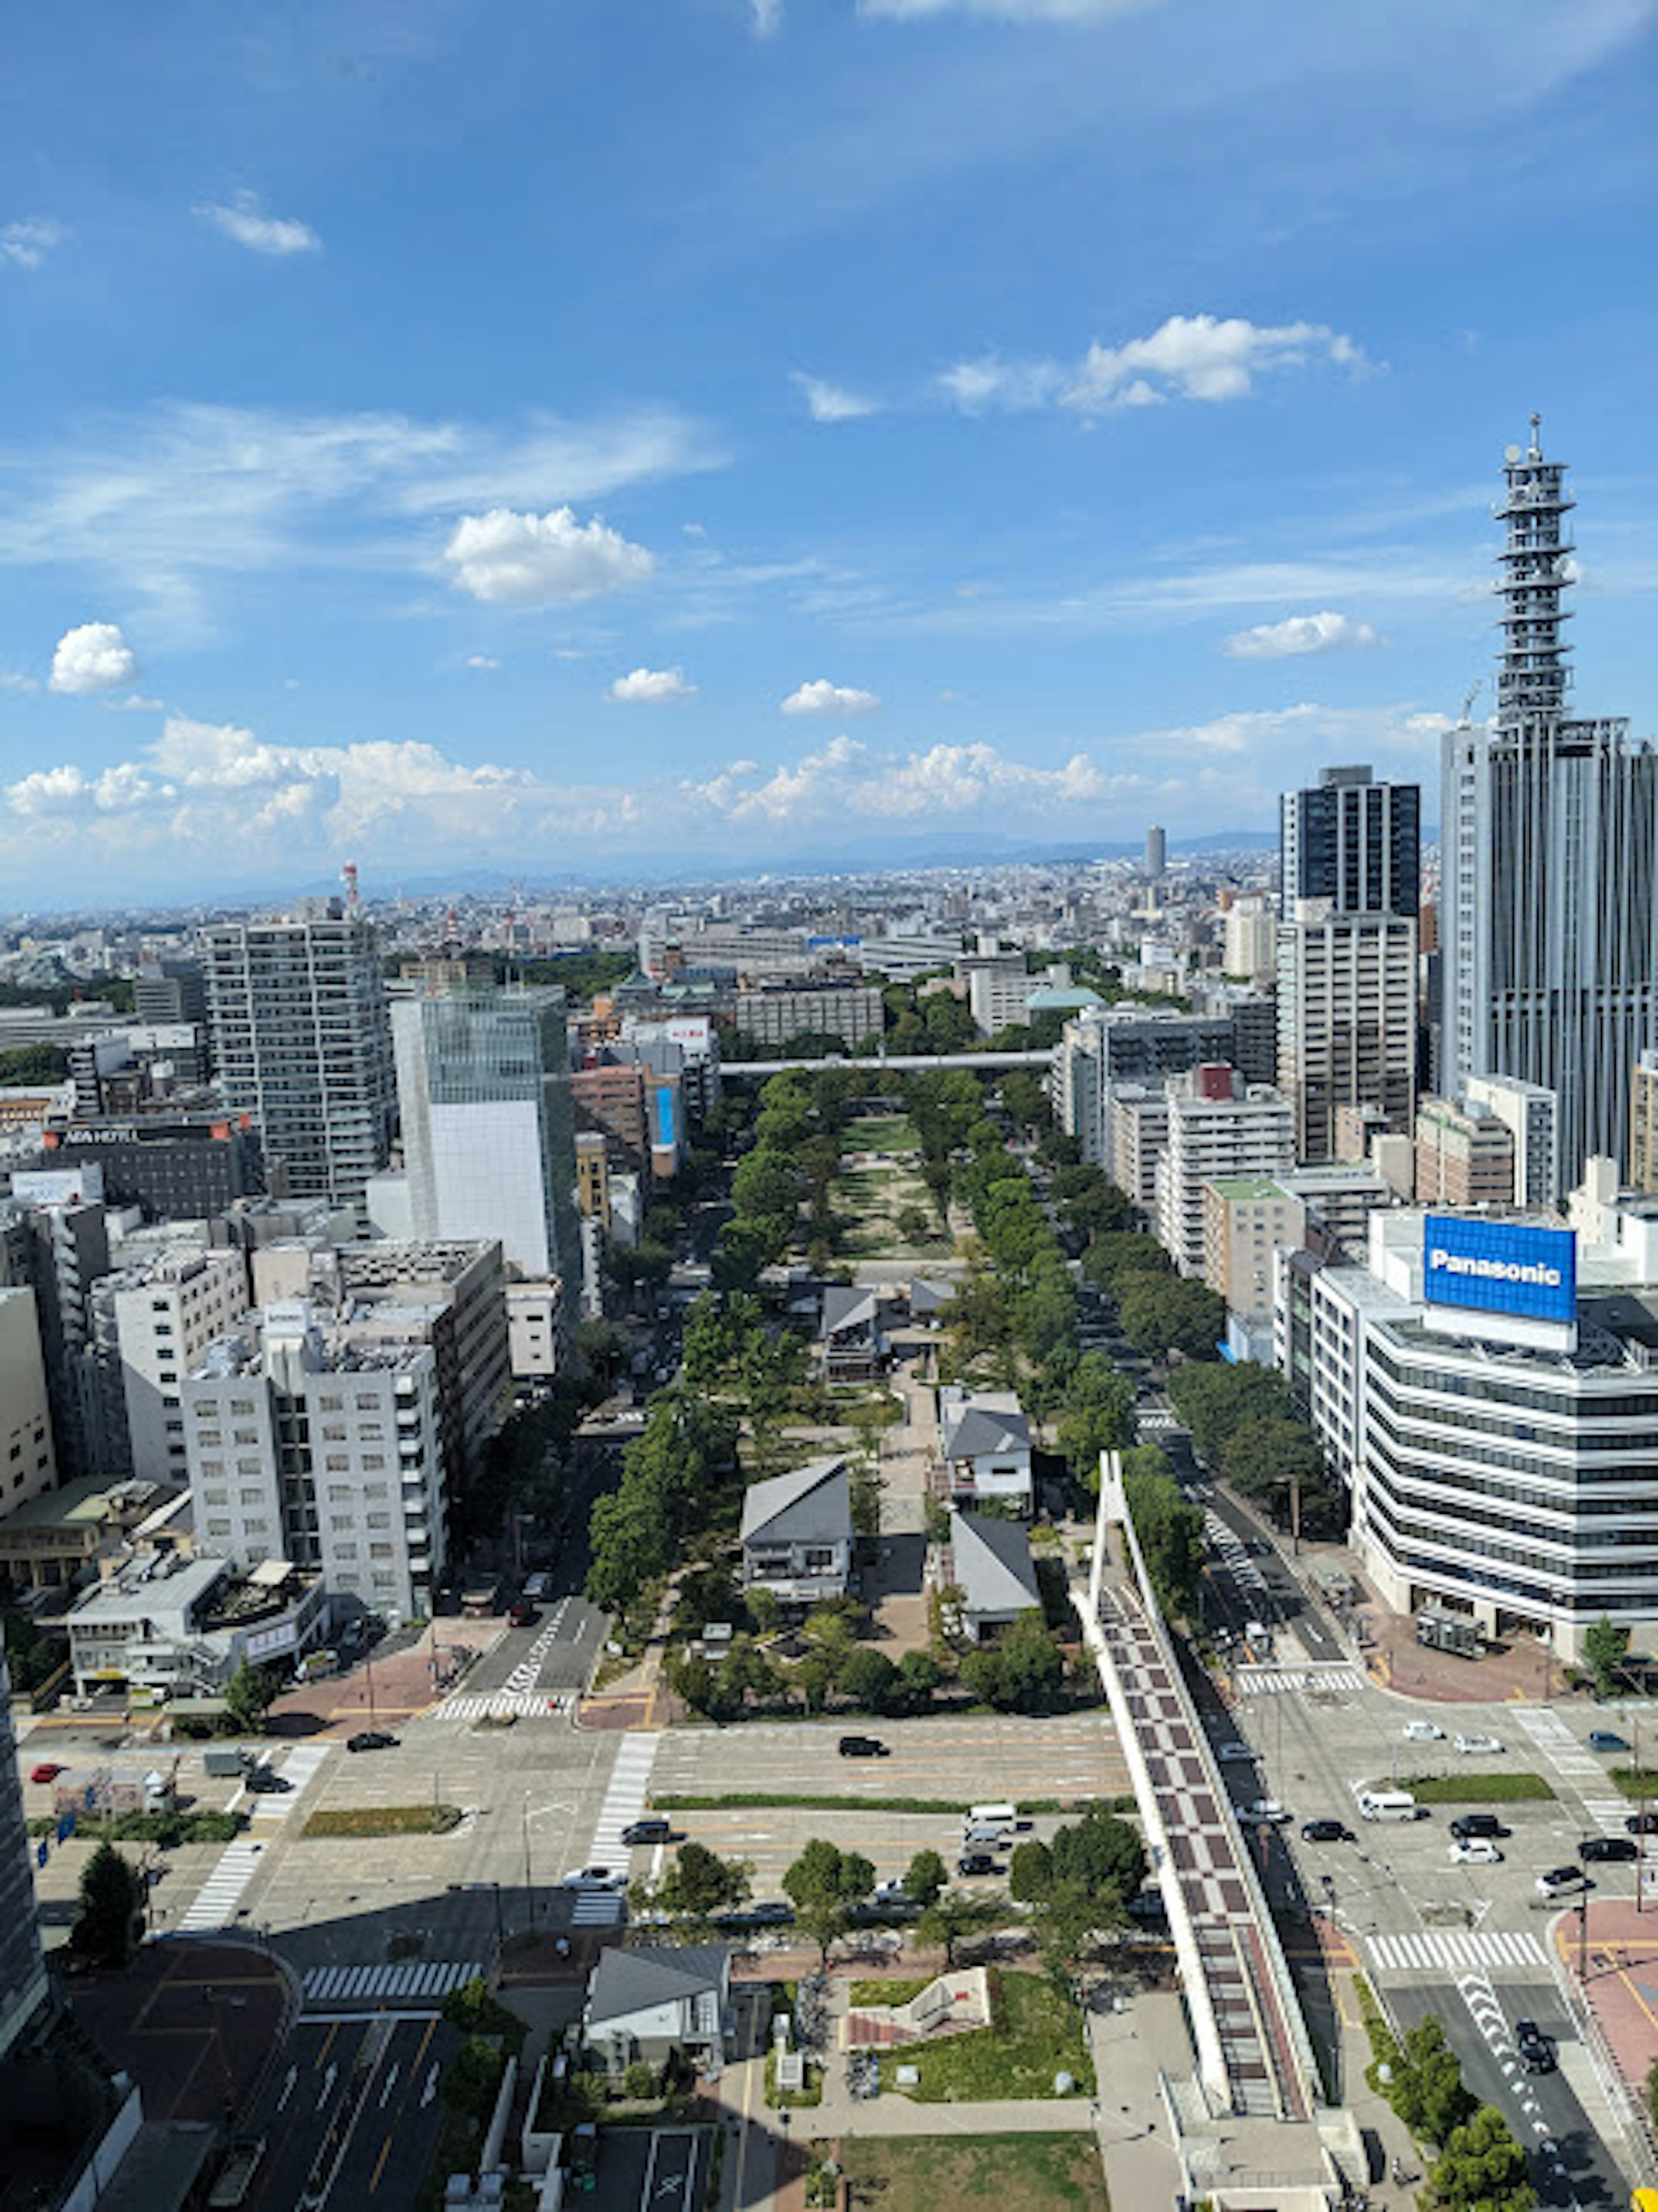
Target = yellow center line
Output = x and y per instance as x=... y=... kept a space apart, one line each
x=379 y=2165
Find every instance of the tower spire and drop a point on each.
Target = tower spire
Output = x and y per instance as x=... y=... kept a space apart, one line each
x=1532 y=676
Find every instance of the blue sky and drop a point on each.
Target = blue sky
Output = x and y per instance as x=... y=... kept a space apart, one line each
x=602 y=433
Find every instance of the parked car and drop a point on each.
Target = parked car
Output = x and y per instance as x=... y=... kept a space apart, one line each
x=1326 y=1832
x=772 y=1912
x=596 y=1877
x=654 y=1831
x=264 y=1781
x=1535 y=2049
x=863 y=1746
x=1476 y=1824
x=1642 y=1824
x=977 y=1862
x=1618 y=1848
x=48 y=1771
x=524 y=1614
x=1607 y=1740
x=1560 y=1878
x=1228 y=1753
x=1478 y=1850
x=1479 y=1743
x=1423 y=1732
x=536 y=1586
x=370 y=1740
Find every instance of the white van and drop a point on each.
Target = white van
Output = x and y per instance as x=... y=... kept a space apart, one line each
x=1003 y=1819
x=1387 y=1805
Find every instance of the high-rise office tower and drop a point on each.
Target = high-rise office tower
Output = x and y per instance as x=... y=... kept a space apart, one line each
x=1350 y=889
x=1156 y=851
x=489 y=1127
x=301 y=1035
x=1353 y=841
x=1549 y=835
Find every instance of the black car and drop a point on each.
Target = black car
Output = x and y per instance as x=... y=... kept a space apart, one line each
x=863 y=1746
x=1619 y=1848
x=1642 y=1824
x=1536 y=2051
x=1468 y=1825
x=977 y=1862
x=647 y=1832
x=1325 y=1831
x=264 y=1781
x=370 y=1740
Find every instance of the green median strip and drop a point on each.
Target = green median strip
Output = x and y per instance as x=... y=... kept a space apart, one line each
x=1476 y=1789
x=1636 y=1780
x=384 y=1820
x=737 y=1800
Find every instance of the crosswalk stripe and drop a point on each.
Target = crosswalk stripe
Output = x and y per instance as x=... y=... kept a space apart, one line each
x=213 y=1905
x=421 y=1980
x=1297 y=1681
x=523 y=1704
x=1455 y=1951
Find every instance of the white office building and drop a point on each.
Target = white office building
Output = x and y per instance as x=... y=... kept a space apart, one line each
x=309 y=1442
x=28 y=1461
x=1499 y=1465
x=488 y=1128
x=165 y=1313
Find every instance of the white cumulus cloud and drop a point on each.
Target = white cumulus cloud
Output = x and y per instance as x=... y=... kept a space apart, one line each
x=245 y=222
x=848 y=781
x=1300 y=634
x=542 y=560
x=820 y=696
x=833 y=402
x=1209 y=357
x=93 y=657
x=652 y=687
x=25 y=244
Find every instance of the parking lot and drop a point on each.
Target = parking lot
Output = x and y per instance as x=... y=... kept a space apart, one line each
x=654 y=2170
x=1072 y=1759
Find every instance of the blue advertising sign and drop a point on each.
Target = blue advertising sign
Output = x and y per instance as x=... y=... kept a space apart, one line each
x=1501 y=1267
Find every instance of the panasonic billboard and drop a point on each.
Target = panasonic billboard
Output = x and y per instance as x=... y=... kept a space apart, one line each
x=1500 y=1267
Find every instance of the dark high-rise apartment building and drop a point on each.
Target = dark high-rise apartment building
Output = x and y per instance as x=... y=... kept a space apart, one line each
x=1351 y=840
x=302 y=1041
x=1549 y=908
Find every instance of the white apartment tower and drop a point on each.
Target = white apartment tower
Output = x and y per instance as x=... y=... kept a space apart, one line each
x=1549 y=837
x=166 y=1314
x=1218 y=1128
x=298 y=1012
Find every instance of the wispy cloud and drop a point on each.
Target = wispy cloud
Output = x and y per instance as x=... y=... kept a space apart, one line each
x=244 y=221
x=25 y=244
x=167 y=502
x=1300 y=634
x=765 y=18
x=1005 y=11
x=833 y=402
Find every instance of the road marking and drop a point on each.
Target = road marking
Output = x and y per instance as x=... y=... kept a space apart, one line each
x=1267 y=1681
x=496 y=1704
x=1441 y=1951
x=431 y=2088
x=291 y=2077
x=215 y=1904
x=328 y=2080
x=391 y=2084
x=424 y=1979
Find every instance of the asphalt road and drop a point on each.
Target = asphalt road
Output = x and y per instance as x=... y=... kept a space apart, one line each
x=664 y=2170
x=351 y=2114
x=554 y=1653
x=1540 y=2108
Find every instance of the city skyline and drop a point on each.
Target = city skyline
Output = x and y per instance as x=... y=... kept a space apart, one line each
x=528 y=446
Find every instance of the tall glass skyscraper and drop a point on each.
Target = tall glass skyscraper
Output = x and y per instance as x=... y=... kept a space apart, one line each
x=1549 y=843
x=488 y=1127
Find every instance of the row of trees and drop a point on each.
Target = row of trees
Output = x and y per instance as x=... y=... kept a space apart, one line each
x=1160 y=1311
x=1244 y=1424
x=669 y=1477
x=1481 y=2168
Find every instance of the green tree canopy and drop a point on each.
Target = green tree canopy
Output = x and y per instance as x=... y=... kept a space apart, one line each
x=249 y=1695
x=1098 y=1415
x=924 y=1877
x=1101 y=1854
x=1483 y=2169
x=700 y=1883
x=1168 y=1313
x=1605 y=1647
x=112 y=1900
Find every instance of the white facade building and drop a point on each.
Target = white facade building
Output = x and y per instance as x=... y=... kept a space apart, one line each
x=308 y=1444
x=27 y=1462
x=1217 y=1127
x=166 y=1314
x=1532 y=1116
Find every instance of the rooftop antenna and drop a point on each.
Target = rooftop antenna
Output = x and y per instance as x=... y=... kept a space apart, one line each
x=1473 y=692
x=1536 y=452
x=353 y=896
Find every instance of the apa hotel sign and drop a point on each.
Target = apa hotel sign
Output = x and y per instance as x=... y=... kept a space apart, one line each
x=1500 y=1267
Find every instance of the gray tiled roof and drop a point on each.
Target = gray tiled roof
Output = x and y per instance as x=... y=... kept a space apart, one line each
x=632 y=1981
x=812 y=1505
x=992 y=1562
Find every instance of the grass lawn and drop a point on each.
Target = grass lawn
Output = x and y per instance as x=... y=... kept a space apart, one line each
x=384 y=1820
x=1474 y=1789
x=1636 y=1780
x=1001 y=2173
x=1040 y=2036
x=897 y=1990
